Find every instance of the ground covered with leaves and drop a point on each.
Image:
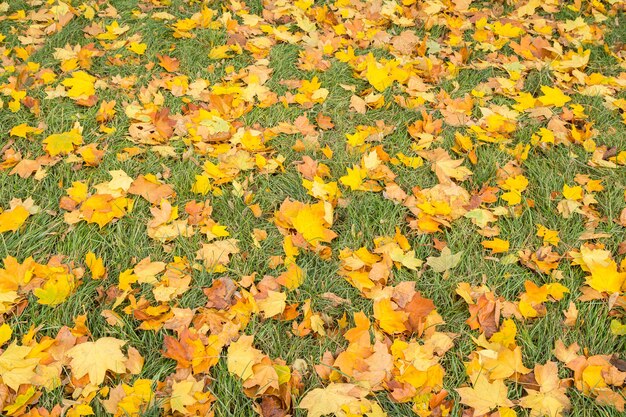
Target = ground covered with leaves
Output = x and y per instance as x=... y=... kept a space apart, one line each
x=349 y=208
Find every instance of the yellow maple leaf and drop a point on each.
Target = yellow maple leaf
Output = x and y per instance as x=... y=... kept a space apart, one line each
x=573 y=193
x=606 y=278
x=20 y=402
x=78 y=191
x=535 y=295
x=512 y=197
x=408 y=259
x=378 y=75
x=390 y=320
x=446 y=168
x=293 y=277
x=507 y=30
x=202 y=185
x=11 y=220
x=593 y=379
x=485 y=396
x=505 y=336
x=604 y=274
x=120 y=181
x=333 y=399
x=96 y=358
x=217 y=254
x=80 y=410
x=102 y=208
x=553 y=96
x=113 y=31
x=55 y=290
x=5 y=333
x=311 y=223
x=135 y=398
x=551 y=399
x=138 y=48
x=354 y=178
x=16 y=367
x=517 y=182
x=273 y=305
x=496 y=245
x=242 y=356
x=95 y=265
x=23 y=130
x=515 y=186
x=410 y=161
x=550 y=237
x=182 y=394
x=505 y=364
x=62 y=143
x=81 y=85
x=617 y=328
x=543 y=136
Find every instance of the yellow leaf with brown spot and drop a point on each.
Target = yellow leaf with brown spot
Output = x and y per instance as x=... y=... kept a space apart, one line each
x=273 y=305
x=62 y=143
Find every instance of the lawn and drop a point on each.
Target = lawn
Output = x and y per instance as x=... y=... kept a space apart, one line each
x=310 y=208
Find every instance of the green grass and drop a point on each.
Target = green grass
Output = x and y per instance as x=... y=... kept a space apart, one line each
x=363 y=217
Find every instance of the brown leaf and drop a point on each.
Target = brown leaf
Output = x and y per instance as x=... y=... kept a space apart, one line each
x=335 y=299
x=324 y=122
x=418 y=308
x=571 y=315
x=168 y=63
x=271 y=406
x=163 y=123
x=620 y=364
x=221 y=294
x=25 y=168
x=151 y=191
x=358 y=104
x=405 y=42
x=622 y=217
x=307 y=167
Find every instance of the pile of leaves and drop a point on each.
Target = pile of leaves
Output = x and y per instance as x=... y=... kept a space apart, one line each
x=349 y=208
